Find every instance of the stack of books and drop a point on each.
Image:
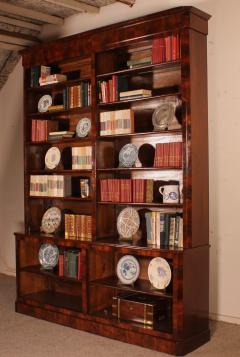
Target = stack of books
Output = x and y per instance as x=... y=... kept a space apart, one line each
x=78 y=227
x=82 y=158
x=51 y=79
x=126 y=190
x=78 y=96
x=69 y=264
x=168 y=155
x=109 y=90
x=41 y=128
x=140 y=56
x=166 y=49
x=117 y=122
x=38 y=72
x=50 y=185
x=135 y=94
x=164 y=229
x=59 y=135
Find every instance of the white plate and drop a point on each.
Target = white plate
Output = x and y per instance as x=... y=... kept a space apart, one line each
x=52 y=158
x=44 y=102
x=48 y=255
x=159 y=273
x=162 y=116
x=128 y=269
x=83 y=127
x=51 y=220
x=128 y=155
x=128 y=222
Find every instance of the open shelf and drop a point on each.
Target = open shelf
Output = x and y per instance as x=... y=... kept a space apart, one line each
x=62 y=141
x=129 y=169
x=58 y=85
x=53 y=299
x=57 y=112
x=140 y=286
x=148 y=133
x=147 y=204
x=61 y=198
x=53 y=274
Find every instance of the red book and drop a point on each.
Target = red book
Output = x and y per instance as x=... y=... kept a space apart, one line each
x=79 y=273
x=33 y=134
x=61 y=265
x=114 y=83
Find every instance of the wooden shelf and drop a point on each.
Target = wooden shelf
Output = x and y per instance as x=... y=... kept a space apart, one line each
x=78 y=110
x=53 y=299
x=143 y=69
x=148 y=133
x=129 y=169
x=59 y=85
x=55 y=172
x=36 y=269
x=60 y=198
x=62 y=141
x=147 y=204
x=140 y=286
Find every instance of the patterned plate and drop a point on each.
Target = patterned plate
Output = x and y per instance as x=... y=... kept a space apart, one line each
x=162 y=116
x=83 y=127
x=51 y=220
x=52 y=158
x=128 y=155
x=128 y=222
x=48 y=256
x=44 y=102
x=159 y=273
x=128 y=269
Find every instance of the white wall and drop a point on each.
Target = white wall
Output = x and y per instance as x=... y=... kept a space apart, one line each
x=224 y=126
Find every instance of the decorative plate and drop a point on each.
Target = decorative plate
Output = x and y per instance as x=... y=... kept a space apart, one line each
x=48 y=256
x=52 y=157
x=44 y=102
x=163 y=115
x=51 y=220
x=128 y=269
x=159 y=273
x=83 y=127
x=128 y=222
x=128 y=155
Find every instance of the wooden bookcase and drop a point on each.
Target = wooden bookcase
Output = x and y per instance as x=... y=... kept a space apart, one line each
x=86 y=304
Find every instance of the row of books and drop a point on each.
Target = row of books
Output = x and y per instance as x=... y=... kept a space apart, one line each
x=126 y=190
x=69 y=264
x=41 y=128
x=82 y=158
x=109 y=90
x=78 y=227
x=135 y=94
x=59 y=135
x=168 y=155
x=140 y=56
x=50 y=185
x=52 y=78
x=77 y=96
x=164 y=229
x=166 y=49
x=117 y=122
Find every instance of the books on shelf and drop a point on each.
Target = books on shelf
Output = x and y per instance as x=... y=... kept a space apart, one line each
x=50 y=185
x=166 y=49
x=109 y=90
x=51 y=79
x=82 y=158
x=78 y=227
x=41 y=128
x=78 y=96
x=38 y=72
x=117 y=122
x=58 y=135
x=135 y=94
x=168 y=155
x=70 y=264
x=164 y=229
x=126 y=190
x=140 y=56
x=52 y=108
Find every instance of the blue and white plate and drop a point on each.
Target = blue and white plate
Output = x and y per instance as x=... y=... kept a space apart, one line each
x=83 y=127
x=128 y=269
x=128 y=155
x=48 y=256
x=159 y=273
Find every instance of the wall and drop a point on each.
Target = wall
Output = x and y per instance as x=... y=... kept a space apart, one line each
x=224 y=125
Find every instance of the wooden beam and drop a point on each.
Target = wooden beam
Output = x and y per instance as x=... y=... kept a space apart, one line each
x=32 y=14
x=17 y=38
x=127 y=2
x=20 y=23
x=11 y=47
x=75 y=5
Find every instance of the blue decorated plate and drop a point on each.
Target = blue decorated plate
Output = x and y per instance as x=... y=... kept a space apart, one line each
x=159 y=273
x=48 y=256
x=128 y=269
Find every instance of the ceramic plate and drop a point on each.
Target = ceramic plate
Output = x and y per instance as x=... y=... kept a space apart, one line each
x=83 y=127
x=48 y=256
x=159 y=273
x=128 y=155
x=52 y=158
x=162 y=116
x=51 y=220
x=128 y=222
x=44 y=102
x=128 y=269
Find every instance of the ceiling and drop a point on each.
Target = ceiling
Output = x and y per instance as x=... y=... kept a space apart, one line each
x=21 y=22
